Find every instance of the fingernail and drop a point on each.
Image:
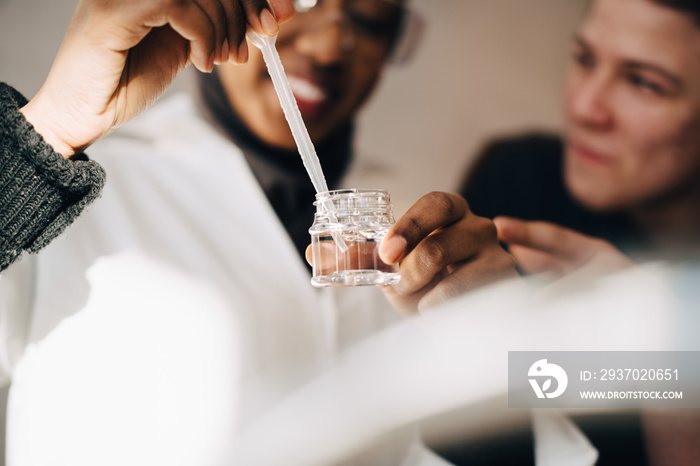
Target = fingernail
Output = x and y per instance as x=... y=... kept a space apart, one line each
x=391 y=249
x=268 y=22
x=210 y=65
x=243 y=52
x=225 y=51
x=504 y=227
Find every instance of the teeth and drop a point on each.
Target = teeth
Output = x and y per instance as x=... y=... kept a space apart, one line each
x=306 y=90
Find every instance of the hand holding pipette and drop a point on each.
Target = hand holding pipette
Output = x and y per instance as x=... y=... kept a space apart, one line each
x=86 y=94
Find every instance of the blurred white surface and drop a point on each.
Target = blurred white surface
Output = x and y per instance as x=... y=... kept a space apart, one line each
x=142 y=377
x=457 y=355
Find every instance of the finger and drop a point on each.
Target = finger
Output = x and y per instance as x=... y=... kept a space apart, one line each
x=282 y=9
x=556 y=240
x=308 y=255
x=235 y=33
x=406 y=305
x=192 y=23
x=322 y=257
x=432 y=211
x=450 y=245
x=260 y=17
x=482 y=271
x=533 y=261
x=217 y=16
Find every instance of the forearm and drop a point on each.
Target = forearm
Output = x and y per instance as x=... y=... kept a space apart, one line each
x=41 y=192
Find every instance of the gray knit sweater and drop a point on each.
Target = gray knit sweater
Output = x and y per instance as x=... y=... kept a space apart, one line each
x=41 y=192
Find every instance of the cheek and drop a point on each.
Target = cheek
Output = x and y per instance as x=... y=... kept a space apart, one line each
x=243 y=86
x=362 y=80
x=237 y=77
x=664 y=152
x=656 y=152
x=359 y=83
x=253 y=99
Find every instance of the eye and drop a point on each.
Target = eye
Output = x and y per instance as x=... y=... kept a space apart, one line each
x=639 y=81
x=372 y=26
x=584 y=58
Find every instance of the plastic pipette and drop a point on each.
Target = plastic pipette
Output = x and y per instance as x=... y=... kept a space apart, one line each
x=293 y=116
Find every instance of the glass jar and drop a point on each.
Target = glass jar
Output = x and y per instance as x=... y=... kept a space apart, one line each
x=348 y=228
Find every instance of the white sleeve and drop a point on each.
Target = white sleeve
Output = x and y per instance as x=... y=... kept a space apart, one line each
x=16 y=288
x=143 y=378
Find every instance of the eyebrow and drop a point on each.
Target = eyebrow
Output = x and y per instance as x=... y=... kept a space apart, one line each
x=637 y=65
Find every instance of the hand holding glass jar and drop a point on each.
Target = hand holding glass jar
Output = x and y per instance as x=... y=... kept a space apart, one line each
x=443 y=250
x=439 y=248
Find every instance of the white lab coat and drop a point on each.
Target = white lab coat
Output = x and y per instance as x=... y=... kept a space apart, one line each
x=172 y=314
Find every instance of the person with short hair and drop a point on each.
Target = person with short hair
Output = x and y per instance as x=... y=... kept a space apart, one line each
x=625 y=175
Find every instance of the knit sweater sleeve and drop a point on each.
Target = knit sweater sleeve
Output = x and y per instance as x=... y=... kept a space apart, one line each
x=41 y=192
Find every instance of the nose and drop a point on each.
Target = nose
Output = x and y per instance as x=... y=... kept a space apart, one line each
x=329 y=42
x=589 y=98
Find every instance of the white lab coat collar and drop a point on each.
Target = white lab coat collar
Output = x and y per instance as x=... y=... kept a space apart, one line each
x=558 y=442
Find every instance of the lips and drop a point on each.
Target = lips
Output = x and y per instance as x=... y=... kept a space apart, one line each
x=589 y=154
x=311 y=96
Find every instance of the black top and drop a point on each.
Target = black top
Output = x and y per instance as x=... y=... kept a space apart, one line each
x=523 y=177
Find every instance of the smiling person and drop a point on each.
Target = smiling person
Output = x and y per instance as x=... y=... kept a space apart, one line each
x=624 y=181
x=193 y=255
x=333 y=53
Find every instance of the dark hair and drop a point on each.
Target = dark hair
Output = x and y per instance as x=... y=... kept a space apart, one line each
x=689 y=7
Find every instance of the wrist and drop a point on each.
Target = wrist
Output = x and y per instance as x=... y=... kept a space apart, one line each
x=38 y=117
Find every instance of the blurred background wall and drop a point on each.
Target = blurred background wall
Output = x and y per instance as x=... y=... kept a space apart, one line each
x=484 y=68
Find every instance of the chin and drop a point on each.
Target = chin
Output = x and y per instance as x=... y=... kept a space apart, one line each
x=276 y=135
x=279 y=135
x=591 y=194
